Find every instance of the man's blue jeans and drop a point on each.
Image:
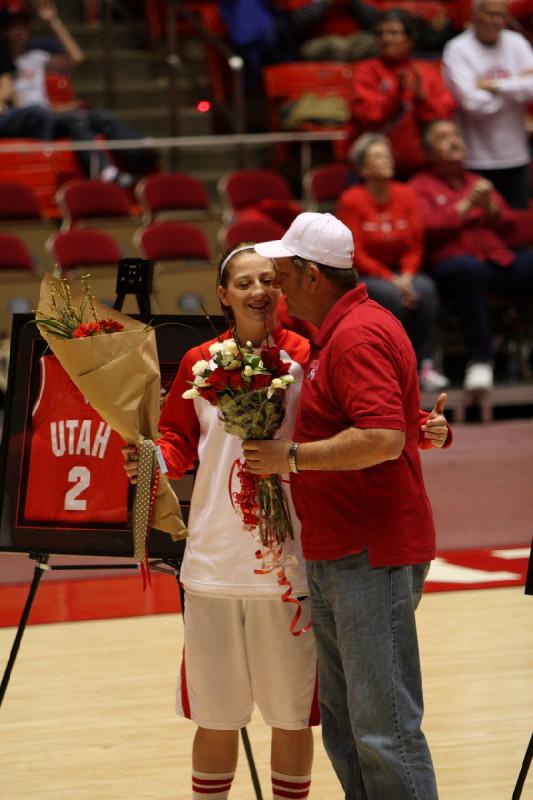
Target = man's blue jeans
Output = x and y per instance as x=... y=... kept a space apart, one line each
x=370 y=687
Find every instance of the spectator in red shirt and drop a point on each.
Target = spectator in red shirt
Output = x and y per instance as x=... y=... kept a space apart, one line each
x=396 y=94
x=465 y=221
x=384 y=219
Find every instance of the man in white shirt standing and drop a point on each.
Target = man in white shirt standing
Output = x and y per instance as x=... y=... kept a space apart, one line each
x=489 y=70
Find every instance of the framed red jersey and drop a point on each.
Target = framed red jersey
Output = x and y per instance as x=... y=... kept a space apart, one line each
x=75 y=470
x=63 y=489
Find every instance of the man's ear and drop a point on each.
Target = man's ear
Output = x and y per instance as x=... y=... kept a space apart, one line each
x=314 y=277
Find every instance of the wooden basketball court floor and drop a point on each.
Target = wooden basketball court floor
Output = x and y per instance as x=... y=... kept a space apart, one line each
x=89 y=710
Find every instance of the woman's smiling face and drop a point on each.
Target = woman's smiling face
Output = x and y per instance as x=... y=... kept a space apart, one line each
x=250 y=290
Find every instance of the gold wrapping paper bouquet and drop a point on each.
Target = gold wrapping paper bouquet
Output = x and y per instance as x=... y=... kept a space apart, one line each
x=118 y=373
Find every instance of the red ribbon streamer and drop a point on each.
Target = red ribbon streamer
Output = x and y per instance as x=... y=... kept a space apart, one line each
x=286 y=596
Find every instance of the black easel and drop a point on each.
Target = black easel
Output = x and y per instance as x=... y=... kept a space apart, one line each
x=135 y=276
x=41 y=566
x=523 y=772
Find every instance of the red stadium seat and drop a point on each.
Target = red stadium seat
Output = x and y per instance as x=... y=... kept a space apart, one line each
x=82 y=248
x=171 y=191
x=43 y=171
x=18 y=202
x=262 y=190
x=82 y=200
x=250 y=230
x=322 y=185
x=14 y=255
x=167 y=241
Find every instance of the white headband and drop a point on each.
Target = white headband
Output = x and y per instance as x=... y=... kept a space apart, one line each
x=234 y=253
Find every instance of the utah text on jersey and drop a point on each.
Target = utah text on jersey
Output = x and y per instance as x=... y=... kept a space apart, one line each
x=75 y=472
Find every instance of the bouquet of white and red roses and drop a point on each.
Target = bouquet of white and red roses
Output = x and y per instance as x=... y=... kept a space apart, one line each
x=113 y=361
x=248 y=389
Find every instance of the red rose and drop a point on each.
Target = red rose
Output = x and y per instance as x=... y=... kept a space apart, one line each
x=209 y=393
x=261 y=381
x=218 y=379
x=235 y=379
x=110 y=325
x=86 y=329
x=270 y=358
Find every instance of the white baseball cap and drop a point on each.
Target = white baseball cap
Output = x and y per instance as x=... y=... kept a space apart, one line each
x=316 y=237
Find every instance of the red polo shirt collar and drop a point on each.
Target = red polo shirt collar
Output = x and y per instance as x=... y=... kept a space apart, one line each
x=338 y=311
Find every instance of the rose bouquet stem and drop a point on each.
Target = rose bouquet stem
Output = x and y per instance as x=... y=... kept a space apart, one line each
x=273 y=513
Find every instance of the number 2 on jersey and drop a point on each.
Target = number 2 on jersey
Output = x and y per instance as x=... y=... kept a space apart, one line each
x=81 y=478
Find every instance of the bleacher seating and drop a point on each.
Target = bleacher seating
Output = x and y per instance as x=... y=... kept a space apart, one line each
x=250 y=230
x=264 y=192
x=14 y=255
x=84 y=201
x=322 y=185
x=172 y=193
x=167 y=241
x=74 y=249
x=18 y=202
x=183 y=267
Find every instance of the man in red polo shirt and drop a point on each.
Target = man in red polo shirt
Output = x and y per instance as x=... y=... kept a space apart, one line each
x=367 y=526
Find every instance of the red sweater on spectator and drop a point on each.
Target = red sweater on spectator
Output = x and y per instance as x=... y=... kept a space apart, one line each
x=388 y=236
x=450 y=234
x=381 y=104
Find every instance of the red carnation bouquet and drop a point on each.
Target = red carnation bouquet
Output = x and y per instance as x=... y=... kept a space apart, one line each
x=113 y=361
x=249 y=391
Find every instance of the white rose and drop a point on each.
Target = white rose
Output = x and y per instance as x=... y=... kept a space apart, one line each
x=287 y=378
x=190 y=394
x=229 y=346
x=277 y=383
x=248 y=371
x=200 y=367
x=215 y=348
x=233 y=364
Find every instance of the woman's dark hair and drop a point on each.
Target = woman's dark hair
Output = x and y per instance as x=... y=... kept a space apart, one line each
x=399 y=15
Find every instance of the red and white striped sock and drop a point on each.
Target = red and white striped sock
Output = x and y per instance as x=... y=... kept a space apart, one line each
x=211 y=785
x=294 y=787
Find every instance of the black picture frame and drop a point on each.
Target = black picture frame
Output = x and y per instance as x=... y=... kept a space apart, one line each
x=175 y=334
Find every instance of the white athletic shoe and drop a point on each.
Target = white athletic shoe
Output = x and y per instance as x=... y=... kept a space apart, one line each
x=478 y=375
x=431 y=380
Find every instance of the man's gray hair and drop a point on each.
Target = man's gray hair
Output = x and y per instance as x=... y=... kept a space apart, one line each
x=476 y=5
x=359 y=149
x=343 y=279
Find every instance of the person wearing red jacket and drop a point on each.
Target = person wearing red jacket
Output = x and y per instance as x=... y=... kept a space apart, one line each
x=465 y=222
x=396 y=95
x=384 y=219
